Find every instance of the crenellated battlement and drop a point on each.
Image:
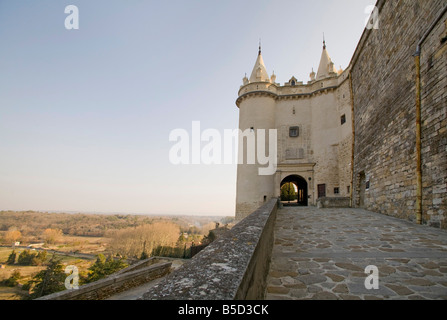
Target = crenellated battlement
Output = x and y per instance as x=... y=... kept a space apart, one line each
x=291 y=89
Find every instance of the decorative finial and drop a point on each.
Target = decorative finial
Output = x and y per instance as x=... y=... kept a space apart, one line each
x=259 y=46
x=324 y=42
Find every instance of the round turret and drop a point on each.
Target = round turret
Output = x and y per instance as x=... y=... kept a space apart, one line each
x=257 y=143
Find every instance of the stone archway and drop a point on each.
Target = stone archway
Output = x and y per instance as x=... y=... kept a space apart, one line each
x=302 y=187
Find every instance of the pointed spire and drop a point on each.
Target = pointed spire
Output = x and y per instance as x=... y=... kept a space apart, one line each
x=312 y=75
x=259 y=73
x=273 y=77
x=326 y=68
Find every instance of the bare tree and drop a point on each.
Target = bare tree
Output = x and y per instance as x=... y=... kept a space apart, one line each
x=12 y=235
x=52 y=236
x=132 y=241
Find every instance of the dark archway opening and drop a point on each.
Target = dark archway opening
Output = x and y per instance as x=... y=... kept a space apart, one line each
x=301 y=190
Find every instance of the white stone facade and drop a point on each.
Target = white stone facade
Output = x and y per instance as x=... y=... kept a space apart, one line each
x=314 y=147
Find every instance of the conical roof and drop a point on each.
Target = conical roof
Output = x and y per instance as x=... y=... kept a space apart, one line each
x=326 y=65
x=259 y=73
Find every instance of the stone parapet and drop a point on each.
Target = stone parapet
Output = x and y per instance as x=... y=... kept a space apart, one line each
x=234 y=267
x=124 y=280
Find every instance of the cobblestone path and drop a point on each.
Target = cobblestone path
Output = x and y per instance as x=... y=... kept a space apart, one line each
x=321 y=254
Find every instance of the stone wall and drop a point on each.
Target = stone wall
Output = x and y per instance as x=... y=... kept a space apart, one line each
x=245 y=209
x=383 y=71
x=121 y=281
x=345 y=145
x=434 y=125
x=326 y=137
x=234 y=267
x=344 y=165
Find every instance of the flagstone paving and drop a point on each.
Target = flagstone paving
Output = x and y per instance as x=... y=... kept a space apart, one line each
x=322 y=254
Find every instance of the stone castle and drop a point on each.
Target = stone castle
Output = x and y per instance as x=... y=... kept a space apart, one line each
x=372 y=136
x=314 y=135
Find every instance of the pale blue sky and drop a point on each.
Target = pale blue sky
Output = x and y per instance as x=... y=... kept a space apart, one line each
x=85 y=115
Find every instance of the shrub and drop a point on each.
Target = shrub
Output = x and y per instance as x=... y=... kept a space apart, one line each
x=12 y=281
x=26 y=258
x=50 y=280
x=29 y=258
x=103 y=267
x=171 y=252
x=12 y=258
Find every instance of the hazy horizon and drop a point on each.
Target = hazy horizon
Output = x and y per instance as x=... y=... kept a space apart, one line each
x=121 y=213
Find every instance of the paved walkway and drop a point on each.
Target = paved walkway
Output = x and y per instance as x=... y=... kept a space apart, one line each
x=321 y=254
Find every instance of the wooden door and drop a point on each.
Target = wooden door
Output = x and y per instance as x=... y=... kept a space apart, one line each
x=321 y=190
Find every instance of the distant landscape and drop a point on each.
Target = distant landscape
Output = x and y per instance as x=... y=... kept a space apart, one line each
x=78 y=238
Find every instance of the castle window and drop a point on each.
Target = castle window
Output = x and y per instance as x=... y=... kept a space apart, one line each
x=343 y=119
x=294 y=132
x=293 y=83
x=349 y=189
x=336 y=190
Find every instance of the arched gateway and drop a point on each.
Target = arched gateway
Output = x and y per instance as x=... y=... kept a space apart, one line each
x=302 y=188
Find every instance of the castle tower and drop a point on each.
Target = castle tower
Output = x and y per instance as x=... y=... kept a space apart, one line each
x=256 y=113
x=313 y=139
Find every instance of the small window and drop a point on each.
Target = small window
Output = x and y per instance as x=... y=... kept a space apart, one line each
x=348 y=189
x=294 y=132
x=293 y=83
x=252 y=129
x=368 y=184
x=265 y=198
x=343 y=119
x=336 y=190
